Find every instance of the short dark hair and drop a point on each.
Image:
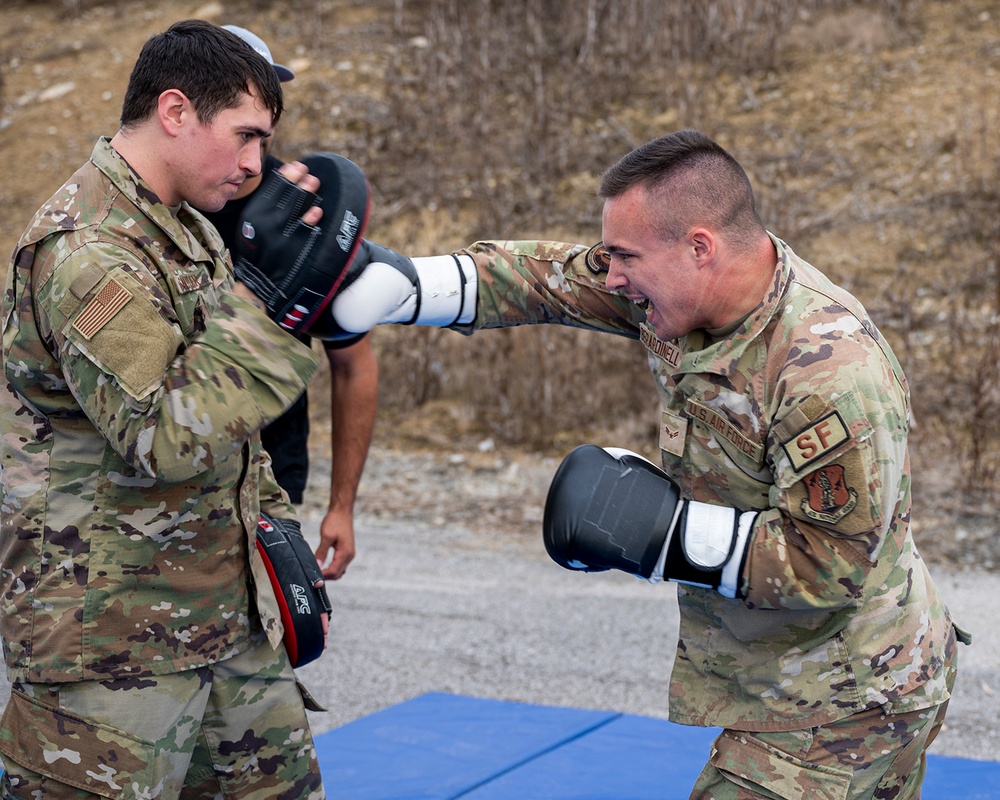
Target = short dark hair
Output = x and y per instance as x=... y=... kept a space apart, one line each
x=209 y=64
x=693 y=178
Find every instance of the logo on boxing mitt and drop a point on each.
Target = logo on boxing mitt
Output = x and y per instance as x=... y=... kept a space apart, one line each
x=298 y=587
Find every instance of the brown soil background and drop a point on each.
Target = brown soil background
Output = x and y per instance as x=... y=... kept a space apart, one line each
x=869 y=129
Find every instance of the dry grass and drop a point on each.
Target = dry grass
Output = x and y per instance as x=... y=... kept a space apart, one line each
x=505 y=114
x=871 y=130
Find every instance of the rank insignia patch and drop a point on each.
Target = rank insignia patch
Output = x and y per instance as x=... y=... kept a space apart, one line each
x=829 y=499
x=597 y=259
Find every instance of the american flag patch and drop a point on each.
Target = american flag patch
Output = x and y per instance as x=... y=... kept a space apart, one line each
x=99 y=311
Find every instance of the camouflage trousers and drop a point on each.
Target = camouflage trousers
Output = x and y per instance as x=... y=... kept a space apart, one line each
x=235 y=729
x=868 y=756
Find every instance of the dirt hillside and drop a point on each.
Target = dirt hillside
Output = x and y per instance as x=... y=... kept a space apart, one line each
x=872 y=134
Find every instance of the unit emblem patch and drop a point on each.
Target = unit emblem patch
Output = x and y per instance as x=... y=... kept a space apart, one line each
x=829 y=499
x=597 y=259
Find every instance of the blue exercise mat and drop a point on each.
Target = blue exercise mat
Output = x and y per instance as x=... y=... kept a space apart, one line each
x=444 y=747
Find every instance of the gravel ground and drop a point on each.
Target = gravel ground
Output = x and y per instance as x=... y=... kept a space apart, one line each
x=452 y=591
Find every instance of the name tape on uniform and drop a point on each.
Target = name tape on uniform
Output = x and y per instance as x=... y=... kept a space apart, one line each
x=668 y=351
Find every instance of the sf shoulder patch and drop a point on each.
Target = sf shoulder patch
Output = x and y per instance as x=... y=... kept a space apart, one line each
x=812 y=443
x=102 y=308
x=597 y=259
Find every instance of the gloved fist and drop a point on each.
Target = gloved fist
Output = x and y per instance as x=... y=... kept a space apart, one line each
x=383 y=286
x=293 y=267
x=613 y=509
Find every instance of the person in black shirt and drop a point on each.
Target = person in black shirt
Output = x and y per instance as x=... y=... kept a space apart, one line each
x=353 y=393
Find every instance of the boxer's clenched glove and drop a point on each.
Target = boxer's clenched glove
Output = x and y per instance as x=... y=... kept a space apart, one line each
x=298 y=586
x=609 y=508
x=295 y=268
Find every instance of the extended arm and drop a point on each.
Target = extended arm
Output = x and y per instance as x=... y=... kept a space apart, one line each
x=488 y=285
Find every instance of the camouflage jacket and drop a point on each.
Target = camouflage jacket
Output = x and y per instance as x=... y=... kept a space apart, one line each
x=801 y=413
x=134 y=387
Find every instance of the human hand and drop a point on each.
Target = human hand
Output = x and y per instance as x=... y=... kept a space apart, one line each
x=336 y=532
x=292 y=253
x=298 y=174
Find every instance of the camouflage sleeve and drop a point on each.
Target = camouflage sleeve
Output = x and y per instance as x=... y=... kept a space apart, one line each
x=532 y=282
x=840 y=497
x=273 y=499
x=170 y=405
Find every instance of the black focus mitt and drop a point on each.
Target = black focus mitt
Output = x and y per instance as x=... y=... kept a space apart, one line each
x=295 y=268
x=298 y=586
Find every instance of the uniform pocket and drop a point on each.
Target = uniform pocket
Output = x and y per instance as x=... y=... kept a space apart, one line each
x=755 y=765
x=75 y=750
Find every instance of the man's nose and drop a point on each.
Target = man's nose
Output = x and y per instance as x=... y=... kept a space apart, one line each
x=251 y=161
x=616 y=280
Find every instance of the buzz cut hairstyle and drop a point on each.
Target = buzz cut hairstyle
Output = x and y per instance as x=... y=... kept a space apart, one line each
x=213 y=67
x=691 y=177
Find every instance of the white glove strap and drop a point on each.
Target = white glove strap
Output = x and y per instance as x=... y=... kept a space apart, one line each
x=381 y=294
x=729 y=583
x=447 y=291
x=714 y=537
x=708 y=534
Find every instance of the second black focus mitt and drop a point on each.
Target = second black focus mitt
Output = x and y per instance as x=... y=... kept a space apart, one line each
x=295 y=268
x=298 y=585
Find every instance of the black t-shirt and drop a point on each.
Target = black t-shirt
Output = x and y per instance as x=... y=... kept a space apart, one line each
x=287 y=438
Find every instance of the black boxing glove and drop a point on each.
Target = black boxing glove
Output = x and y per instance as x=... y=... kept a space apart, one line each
x=613 y=509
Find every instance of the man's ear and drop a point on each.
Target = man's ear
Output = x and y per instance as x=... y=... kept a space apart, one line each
x=174 y=110
x=702 y=243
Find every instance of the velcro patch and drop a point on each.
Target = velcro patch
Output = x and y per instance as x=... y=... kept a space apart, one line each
x=102 y=308
x=597 y=259
x=811 y=443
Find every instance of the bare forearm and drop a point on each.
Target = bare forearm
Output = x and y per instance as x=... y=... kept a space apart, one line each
x=353 y=401
x=353 y=406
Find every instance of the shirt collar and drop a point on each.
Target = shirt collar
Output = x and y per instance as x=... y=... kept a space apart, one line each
x=720 y=356
x=131 y=184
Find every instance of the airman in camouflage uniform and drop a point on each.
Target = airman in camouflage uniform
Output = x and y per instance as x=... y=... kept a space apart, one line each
x=839 y=615
x=139 y=629
x=831 y=668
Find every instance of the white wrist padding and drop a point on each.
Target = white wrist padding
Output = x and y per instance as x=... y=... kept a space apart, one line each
x=708 y=534
x=447 y=292
x=729 y=584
